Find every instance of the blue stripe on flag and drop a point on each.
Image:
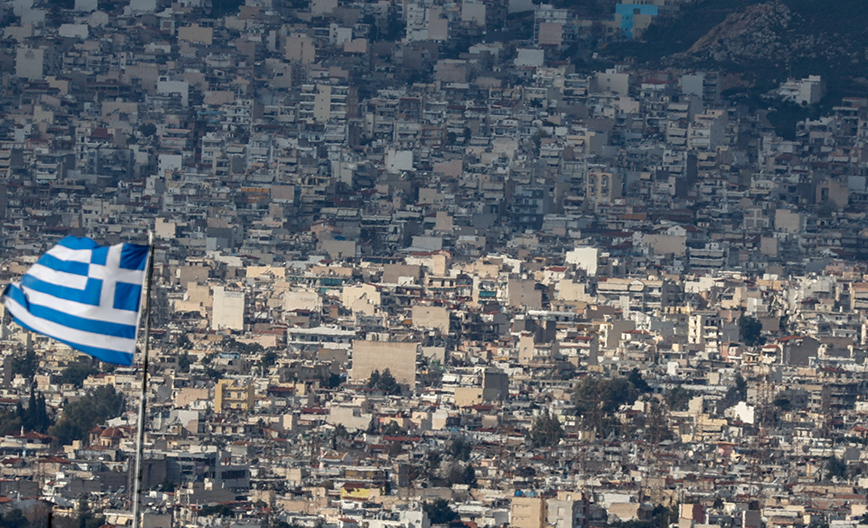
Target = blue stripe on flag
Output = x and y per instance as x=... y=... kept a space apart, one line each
x=134 y=257
x=89 y=295
x=72 y=242
x=102 y=354
x=66 y=266
x=71 y=321
x=99 y=256
x=127 y=296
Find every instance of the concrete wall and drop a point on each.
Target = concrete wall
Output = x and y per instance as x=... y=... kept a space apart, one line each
x=399 y=358
x=228 y=312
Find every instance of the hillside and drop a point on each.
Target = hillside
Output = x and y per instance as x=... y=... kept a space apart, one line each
x=765 y=42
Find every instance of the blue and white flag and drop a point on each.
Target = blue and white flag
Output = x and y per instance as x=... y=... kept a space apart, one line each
x=85 y=295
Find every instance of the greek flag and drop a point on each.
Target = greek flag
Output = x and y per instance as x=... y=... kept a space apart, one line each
x=85 y=295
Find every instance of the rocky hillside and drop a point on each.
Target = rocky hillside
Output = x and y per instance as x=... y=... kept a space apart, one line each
x=766 y=41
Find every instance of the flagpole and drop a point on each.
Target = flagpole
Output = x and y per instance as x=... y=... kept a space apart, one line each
x=140 y=442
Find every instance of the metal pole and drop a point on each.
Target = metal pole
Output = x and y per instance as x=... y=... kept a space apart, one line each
x=140 y=442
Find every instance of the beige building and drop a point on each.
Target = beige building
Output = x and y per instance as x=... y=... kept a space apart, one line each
x=299 y=49
x=431 y=317
x=399 y=358
x=228 y=310
x=527 y=512
x=524 y=293
x=196 y=34
x=233 y=395
x=602 y=187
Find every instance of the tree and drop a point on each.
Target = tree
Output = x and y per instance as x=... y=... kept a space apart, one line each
x=338 y=433
x=395 y=27
x=268 y=359
x=26 y=365
x=546 y=431
x=661 y=517
x=166 y=486
x=388 y=384
x=836 y=467
x=439 y=511
x=87 y=518
x=220 y=510
x=148 y=129
x=741 y=386
x=597 y=400
x=385 y=382
x=81 y=416
x=750 y=330
x=460 y=449
x=183 y=342
x=75 y=373
x=10 y=422
x=330 y=380
x=14 y=519
x=460 y=473
x=184 y=362
x=782 y=402
x=678 y=398
x=635 y=377
x=430 y=464
x=35 y=416
x=393 y=429
x=657 y=422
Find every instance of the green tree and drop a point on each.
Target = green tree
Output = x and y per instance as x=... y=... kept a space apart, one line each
x=10 y=422
x=750 y=330
x=220 y=510
x=460 y=473
x=657 y=422
x=635 y=377
x=14 y=519
x=184 y=362
x=75 y=373
x=88 y=518
x=35 y=417
x=546 y=431
x=740 y=386
x=183 y=342
x=393 y=429
x=395 y=27
x=166 y=486
x=661 y=517
x=330 y=380
x=597 y=400
x=374 y=379
x=460 y=449
x=148 y=129
x=268 y=359
x=25 y=365
x=339 y=433
x=79 y=417
x=439 y=511
x=388 y=384
x=384 y=381
x=678 y=398
x=782 y=402
x=836 y=467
